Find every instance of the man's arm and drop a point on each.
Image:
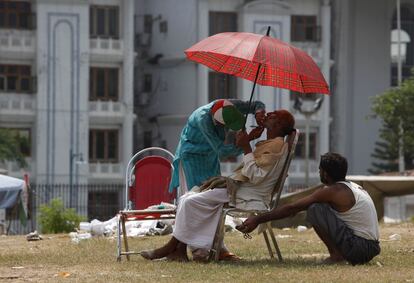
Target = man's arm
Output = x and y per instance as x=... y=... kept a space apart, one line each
x=207 y=129
x=324 y=195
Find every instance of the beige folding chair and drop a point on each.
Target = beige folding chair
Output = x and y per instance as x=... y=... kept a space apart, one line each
x=292 y=140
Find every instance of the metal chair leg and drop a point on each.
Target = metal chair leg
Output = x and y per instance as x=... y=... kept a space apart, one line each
x=269 y=248
x=272 y=236
x=118 y=239
x=218 y=238
x=125 y=236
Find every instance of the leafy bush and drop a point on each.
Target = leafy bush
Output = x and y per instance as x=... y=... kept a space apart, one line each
x=55 y=218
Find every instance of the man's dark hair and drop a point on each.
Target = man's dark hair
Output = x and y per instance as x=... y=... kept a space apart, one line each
x=335 y=165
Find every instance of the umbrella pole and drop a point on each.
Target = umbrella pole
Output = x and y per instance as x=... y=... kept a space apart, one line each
x=254 y=86
x=251 y=97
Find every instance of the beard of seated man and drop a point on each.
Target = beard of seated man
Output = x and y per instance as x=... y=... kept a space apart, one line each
x=176 y=250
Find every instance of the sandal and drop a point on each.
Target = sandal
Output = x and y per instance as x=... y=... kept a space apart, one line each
x=228 y=256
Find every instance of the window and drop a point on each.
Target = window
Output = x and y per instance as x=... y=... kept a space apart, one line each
x=102 y=205
x=301 y=147
x=222 y=85
x=103 y=84
x=407 y=48
x=304 y=28
x=15 y=14
x=16 y=78
x=104 y=22
x=23 y=138
x=222 y=22
x=103 y=145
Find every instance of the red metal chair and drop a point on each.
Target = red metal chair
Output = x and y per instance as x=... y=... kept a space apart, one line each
x=148 y=176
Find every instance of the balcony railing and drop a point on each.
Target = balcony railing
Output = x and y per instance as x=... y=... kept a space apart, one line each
x=106 y=170
x=114 y=107
x=17 y=42
x=17 y=104
x=111 y=112
x=107 y=47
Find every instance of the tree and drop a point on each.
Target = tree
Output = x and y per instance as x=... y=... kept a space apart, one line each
x=10 y=144
x=395 y=108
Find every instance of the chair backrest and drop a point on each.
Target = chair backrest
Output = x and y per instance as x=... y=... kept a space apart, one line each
x=292 y=140
x=149 y=178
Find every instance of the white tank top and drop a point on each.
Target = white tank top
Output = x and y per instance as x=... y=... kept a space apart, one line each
x=362 y=217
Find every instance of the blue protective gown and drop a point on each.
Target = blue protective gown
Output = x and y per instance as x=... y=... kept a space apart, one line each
x=202 y=145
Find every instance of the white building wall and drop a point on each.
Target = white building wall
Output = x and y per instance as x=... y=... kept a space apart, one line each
x=62 y=98
x=61 y=52
x=180 y=86
x=362 y=65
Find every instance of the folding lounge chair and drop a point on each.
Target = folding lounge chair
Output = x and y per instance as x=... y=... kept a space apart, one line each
x=148 y=176
x=292 y=140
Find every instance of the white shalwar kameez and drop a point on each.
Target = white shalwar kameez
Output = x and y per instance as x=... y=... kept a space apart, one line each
x=198 y=213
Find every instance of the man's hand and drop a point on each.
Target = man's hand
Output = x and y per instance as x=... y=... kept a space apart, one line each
x=243 y=141
x=248 y=225
x=260 y=116
x=256 y=133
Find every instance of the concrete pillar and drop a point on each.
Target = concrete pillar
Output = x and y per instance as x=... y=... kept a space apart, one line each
x=127 y=80
x=326 y=62
x=202 y=72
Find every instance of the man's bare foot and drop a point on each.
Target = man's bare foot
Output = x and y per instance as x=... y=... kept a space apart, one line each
x=177 y=256
x=149 y=254
x=154 y=254
x=168 y=248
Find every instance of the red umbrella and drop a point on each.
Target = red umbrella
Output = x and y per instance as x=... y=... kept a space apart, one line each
x=260 y=58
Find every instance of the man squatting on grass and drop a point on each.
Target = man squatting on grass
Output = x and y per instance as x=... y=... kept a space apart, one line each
x=249 y=188
x=342 y=214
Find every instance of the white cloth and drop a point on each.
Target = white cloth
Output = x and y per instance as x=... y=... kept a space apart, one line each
x=198 y=213
x=362 y=217
x=197 y=217
x=256 y=194
x=182 y=188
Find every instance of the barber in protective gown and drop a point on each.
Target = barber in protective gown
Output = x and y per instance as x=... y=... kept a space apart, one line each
x=202 y=141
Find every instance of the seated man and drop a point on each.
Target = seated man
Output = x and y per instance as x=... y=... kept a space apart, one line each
x=198 y=213
x=342 y=214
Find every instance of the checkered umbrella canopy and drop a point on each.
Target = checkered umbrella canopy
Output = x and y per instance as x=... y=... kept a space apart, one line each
x=241 y=54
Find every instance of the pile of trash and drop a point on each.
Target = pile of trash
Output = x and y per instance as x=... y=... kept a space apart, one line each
x=137 y=228
x=133 y=228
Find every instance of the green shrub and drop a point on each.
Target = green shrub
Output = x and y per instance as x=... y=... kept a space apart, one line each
x=55 y=218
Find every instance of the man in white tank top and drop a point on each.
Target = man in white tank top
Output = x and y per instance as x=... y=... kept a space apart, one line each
x=342 y=214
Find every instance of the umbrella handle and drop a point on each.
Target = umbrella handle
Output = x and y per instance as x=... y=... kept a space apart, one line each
x=251 y=97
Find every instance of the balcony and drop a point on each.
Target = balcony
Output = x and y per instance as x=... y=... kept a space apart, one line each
x=106 y=171
x=106 y=112
x=17 y=44
x=106 y=49
x=17 y=107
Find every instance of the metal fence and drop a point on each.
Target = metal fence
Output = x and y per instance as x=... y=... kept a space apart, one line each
x=93 y=201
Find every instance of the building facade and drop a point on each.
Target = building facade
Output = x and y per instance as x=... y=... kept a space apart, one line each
x=164 y=29
x=66 y=87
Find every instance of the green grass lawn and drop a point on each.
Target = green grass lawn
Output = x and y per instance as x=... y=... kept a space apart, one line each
x=57 y=259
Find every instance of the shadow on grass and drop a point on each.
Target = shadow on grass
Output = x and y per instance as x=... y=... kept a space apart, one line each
x=286 y=263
